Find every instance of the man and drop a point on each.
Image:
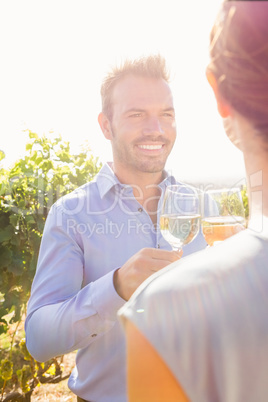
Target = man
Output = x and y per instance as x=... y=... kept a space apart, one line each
x=200 y=326
x=102 y=241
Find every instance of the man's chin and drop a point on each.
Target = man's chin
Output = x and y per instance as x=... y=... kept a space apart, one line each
x=151 y=168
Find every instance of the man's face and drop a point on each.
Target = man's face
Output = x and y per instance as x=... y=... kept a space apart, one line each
x=143 y=129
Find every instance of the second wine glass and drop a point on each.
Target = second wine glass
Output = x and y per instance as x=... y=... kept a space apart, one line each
x=223 y=215
x=180 y=215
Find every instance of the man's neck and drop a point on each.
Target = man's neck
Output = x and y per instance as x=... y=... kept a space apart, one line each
x=138 y=180
x=145 y=187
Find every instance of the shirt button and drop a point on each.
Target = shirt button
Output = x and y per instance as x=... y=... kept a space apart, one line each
x=140 y=209
x=93 y=335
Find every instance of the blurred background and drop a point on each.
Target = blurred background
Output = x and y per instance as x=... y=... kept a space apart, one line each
x=54 y=55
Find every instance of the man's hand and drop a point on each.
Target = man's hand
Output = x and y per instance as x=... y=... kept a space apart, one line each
x=139 y=267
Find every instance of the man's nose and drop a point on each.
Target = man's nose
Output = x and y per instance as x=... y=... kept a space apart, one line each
x=153 y=125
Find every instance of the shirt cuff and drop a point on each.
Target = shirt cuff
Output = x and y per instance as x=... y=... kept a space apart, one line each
x=105 y=298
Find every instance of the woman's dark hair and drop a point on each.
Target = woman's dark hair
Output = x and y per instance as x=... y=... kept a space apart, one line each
x=239 y=59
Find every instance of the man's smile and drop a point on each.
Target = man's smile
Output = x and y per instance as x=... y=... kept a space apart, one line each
x=151 y=147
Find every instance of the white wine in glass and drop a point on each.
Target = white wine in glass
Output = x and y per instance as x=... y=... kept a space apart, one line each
x=223 y=215
x=180 y=215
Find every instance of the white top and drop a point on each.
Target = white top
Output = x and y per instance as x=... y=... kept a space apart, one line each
x=207 y=317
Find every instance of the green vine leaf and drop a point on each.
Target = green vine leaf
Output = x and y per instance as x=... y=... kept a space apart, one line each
x=6 y=369
x=28 y=189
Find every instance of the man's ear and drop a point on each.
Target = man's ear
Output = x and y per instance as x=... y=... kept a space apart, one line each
x=223 y=107
x=105 y=125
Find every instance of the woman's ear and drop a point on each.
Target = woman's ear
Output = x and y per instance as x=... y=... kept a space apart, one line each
x=105 y=125
x=223 y=107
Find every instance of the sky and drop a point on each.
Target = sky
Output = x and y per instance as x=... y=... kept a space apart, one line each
x=54 y=55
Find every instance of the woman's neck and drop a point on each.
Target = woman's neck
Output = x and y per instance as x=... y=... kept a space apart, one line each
x=257 y=185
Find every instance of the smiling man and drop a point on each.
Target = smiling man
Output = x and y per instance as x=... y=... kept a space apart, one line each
x=103 y=240
x=142 y=127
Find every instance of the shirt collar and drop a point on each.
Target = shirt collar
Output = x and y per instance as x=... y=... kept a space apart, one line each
x=169 y=180
x=106 y=180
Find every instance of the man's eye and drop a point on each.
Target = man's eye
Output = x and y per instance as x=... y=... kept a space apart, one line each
x=135 y=115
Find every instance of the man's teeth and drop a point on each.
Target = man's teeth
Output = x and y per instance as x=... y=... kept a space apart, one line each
x=150 y=146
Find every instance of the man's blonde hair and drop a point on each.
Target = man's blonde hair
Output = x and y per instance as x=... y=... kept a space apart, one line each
x=153 y=66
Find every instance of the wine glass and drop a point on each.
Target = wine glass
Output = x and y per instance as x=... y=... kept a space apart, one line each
x=223 y=215
x=180 y=215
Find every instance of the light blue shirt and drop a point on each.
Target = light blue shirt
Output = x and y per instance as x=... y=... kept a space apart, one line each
x=89 y=234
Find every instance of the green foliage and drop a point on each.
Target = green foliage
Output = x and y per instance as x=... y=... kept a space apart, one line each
x=27 y=191
x=25 y=376
x=6 y=369
x=24 y=350
x=245 y=201
x=2 y=155
x=230 y=204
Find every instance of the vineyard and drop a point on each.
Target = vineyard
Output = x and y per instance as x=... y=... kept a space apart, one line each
x=27 y=191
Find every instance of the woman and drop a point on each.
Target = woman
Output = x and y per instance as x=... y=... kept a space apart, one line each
x=198 y=329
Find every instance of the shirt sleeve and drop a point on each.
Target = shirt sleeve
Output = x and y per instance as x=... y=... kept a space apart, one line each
x=64 y=315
